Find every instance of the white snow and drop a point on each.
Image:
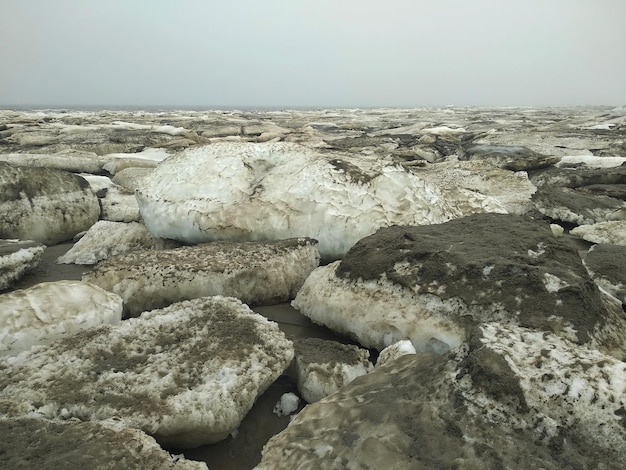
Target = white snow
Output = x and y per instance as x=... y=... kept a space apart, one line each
x=287 y=404
x=51 y=310
x=444 y=130
x=150 y=154
x=553 y=283
x=163 y=129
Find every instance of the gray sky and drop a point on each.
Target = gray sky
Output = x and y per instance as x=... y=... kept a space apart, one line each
x=322 y=53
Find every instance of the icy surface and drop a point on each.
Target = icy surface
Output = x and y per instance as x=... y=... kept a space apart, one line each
x=257 y=273
x=105 y=239
x=50 y=310
x=237 y=191
x=17 y=258
x=186 y=374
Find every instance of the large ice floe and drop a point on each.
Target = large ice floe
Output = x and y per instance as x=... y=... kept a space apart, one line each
x=51 y=310
x=105 y=239
x=186 y=374
x=245 y=191
x=514 y=398
x=258 y=273
x=29 y=443
x=45 y=205
x=431 y=283
x=17 y=257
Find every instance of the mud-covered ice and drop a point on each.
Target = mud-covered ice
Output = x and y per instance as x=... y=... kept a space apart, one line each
x=187 y=374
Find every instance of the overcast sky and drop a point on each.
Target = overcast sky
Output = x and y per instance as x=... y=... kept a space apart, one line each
x=322 y=53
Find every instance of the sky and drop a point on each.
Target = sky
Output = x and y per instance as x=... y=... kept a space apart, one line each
x=322 y=53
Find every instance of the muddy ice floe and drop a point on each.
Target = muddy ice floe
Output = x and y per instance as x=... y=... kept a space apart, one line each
x=258 y=273
x=324 y=366
x=186 y=374
x=513 y=395
x=429 y=284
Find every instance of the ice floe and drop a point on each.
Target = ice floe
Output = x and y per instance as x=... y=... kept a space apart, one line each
x=97 y=445
x=429 y=284
x=242 y=191
x=258 y=273
x=105 y=239
x=45 y=205
x=515 y=395
x=323 y=366
x=50 y=310
x=17 y=257
x=186 y=374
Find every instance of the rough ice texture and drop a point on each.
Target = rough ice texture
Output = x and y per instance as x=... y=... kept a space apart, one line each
x=45 y=205
x=105 y=239
x=256 y=272
x=569 y=205
x=477 y=186
x=509 y=157
x=323 y=366
x=244 y=191
x=515 y=398
x=50 y=310
x=430 y=284
x=186 y=374
x=17 y=257
x=74 y=161
x=606 y=265
x=29 y=443
x=610 y=233
x=394 y=351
